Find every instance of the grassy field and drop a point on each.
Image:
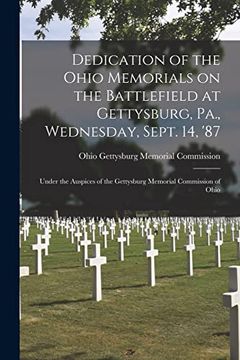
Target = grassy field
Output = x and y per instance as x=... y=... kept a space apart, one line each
x=182 y=318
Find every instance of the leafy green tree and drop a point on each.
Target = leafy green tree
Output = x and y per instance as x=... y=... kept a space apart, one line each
x=141 y=19
x=47 y=157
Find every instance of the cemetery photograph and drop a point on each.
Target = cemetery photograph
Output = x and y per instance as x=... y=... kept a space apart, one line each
x=139 y=288
x=129 y=204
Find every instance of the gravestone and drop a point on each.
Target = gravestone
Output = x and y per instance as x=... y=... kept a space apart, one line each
x=105 y=234
x=24 y=271
x=233 y=232
x=173 y=237
x=112 y=229
x=20 y=238
x=67 y=227
x=78 y=235
x=97 y=261
x=150 y=253
x=39 y=247
x=121 y=240
x=84 y=243
x=163 y=229
x=46 y=236
x=238 y=246
x=218 y=243
x=208 y=231
x=72 y=231
x=93 y=232
x=232 y=301
x=127 y=232
x=190 y=247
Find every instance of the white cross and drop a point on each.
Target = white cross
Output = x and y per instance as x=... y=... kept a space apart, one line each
x=150 y=253
x=221 y=232
x=233 y=232
x=112 y=228
x=77 y=235
x=128 y=232
x=208 y=231
x=25 y=229
x=163 y=229
x=105 y=234
x=67 y=229
x=121 y=241
x=173 y=236
x=100 y=226
x=232 y=301
x=72 y=231
x=192 y=233
x=53 y=223
x=46 y=237
x=218 y=243
x=93 y=232
x=20 y=238
x=97 y=261
x=24 y=271
x=62 y=227
x=137 y=224
x=190 y=247
x=238 y=246
x=177 y=228
x=142 y=226
x=39 y=246
x=85 y=244
x=57 y=225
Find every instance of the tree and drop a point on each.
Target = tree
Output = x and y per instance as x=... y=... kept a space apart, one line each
x=44 y=157
x=141 y=19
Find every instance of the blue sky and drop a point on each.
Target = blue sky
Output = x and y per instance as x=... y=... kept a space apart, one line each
x=60 y=30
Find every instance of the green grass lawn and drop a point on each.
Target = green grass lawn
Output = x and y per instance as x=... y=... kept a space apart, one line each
x=180 y=318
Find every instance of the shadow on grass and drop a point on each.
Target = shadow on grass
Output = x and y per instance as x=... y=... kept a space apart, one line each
x=229 y=260
x=35 y=348
x=134 y=256
x=62 y=251
x=60 y=302
x=126 y=258
x=125 y=287
x=170 y=276
x=109 y=358
x=65 y=267
x=205 y=267
x=226 y=333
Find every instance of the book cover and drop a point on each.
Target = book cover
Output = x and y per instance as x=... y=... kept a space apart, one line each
x=129 y=228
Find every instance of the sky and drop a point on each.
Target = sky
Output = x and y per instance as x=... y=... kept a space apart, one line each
x=60 y=30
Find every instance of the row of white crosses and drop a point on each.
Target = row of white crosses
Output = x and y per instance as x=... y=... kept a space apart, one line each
x=231 y=299
x=24 y=231
x=150 y=253
x=127 y=225
x=85 y=243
